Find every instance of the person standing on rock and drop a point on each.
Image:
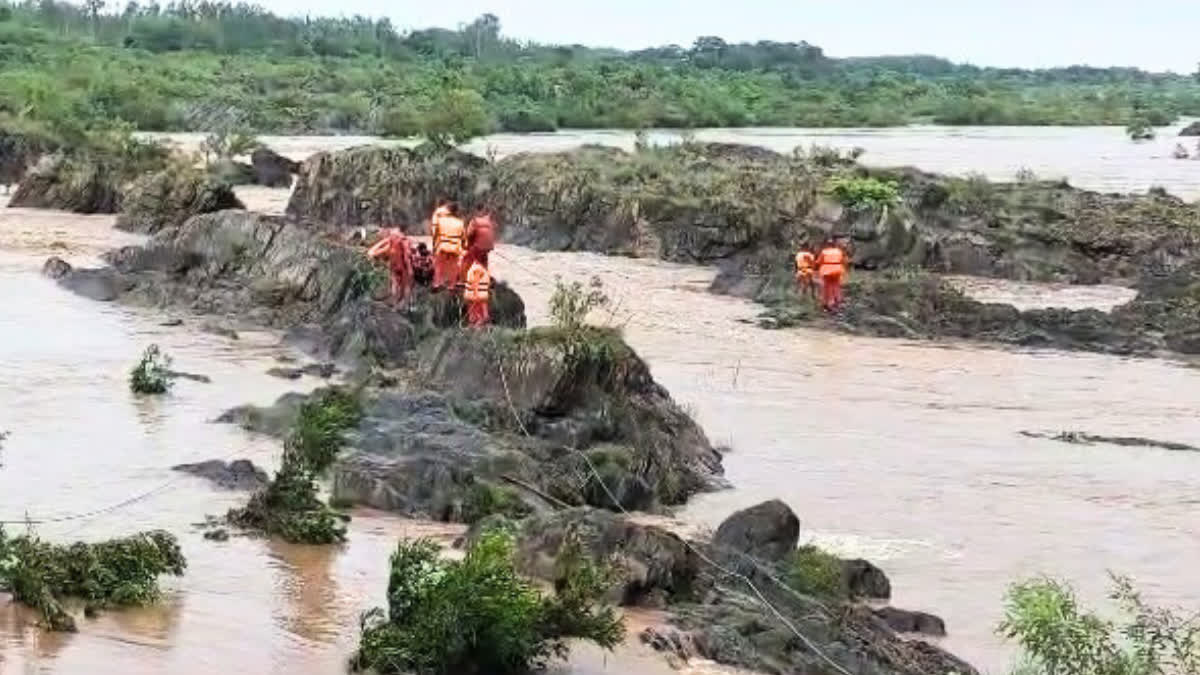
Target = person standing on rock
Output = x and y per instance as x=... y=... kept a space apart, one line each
x=394 y=248
x=831 y=267
x=448 y=244
x=481 y=238
x=422 y=264
x=477 y=291
x=441 y=210
x=806 y=283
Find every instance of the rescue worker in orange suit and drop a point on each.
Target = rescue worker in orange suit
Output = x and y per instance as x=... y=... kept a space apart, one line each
x=422 y=264
x=477 y=288
x=831 y=267
x=448 y=245
x=394 y=248
x=442 y=209
x=806 y=262
x=481 y=238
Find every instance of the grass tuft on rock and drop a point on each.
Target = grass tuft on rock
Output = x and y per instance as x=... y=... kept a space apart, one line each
x=816 y=572
x=478 y=615
x=152 y=374
x=114 y=573
x=289 y=506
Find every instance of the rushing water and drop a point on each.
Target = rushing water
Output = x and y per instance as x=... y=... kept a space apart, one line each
x=908 y=454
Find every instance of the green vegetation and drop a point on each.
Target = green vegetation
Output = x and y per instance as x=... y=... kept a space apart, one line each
x=1058 y=637
x=289 y=506
x=485 y=499
x=200 y=66
x=478 y=615
x=865 y=193
x=152 y=374
x=117 y=572
x=570 y=304
x=816 y=572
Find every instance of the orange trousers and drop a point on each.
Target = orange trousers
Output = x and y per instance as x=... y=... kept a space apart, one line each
x=445 y=270
x=831 y=289
x=401 y=284
x=477 y=313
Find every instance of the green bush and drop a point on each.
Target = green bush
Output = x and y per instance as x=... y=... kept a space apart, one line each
x=867 y=193
x=570 y=304
x=288 y=506
x=816 y=572
x=478 y=615
x=1060 y=638
x=1140 y=129
x=152 y=374
x=485 y=499
x=117 y=572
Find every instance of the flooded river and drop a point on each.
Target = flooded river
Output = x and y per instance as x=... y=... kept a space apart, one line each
x=905 y=453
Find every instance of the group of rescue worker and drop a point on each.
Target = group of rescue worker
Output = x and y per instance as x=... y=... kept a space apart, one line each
x=823 y=272
x=458 y=261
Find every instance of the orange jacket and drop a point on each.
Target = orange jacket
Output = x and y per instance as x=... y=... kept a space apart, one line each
x=805 y=261
x=448 y=235
x=481 y=233
x=478 y=284
x=438 y=213
x=393 y=246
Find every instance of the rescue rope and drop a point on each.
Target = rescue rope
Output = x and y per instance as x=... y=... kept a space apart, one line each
x=700 y=554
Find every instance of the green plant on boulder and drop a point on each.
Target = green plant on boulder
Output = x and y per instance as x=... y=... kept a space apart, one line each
x=571 y=303
x=485 y=499
x=1058 y=637
x=289 y=506
x=478 y=615
x=864 y=193
x=1140 y=129
x=816 y=572
x=117 y=572
x=152 y=374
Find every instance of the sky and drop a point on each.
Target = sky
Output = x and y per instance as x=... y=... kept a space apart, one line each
x=1150 y=34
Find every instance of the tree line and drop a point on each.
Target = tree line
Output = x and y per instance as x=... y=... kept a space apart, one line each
x=194 y=66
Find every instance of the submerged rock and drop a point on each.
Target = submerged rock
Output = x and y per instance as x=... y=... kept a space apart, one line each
x=1192 y=129
x=166 y=199
x=1084 y=438
x=905 y=621
x=103 y=285
x=240 y=474
x=272 y=169
x=273 y=420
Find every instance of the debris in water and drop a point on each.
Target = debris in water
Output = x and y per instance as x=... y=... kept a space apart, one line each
x=152 y=375
x=1084 y=438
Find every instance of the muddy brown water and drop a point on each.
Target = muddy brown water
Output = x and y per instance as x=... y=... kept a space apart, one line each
x=905 y=453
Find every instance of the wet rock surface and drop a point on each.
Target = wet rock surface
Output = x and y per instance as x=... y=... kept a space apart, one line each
x=69 y=183
x=1084 y=438
x=239 y=474
x=1192 y=129
x=166 y=199
x=768 y=531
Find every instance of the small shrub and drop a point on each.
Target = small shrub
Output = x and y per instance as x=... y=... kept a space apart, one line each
x=478 y=615
x=863 y=194
x=117 y=572
x=571 y=303
x=1140 y=129
x=227 y=143
x=974 y=194
x=1060 y=638
x=485 y=499
x=1026 y=175
x=816 y=572
x=152 y=374
x=320 y=428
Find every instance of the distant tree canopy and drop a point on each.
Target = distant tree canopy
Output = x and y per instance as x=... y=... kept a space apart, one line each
x=196 y=66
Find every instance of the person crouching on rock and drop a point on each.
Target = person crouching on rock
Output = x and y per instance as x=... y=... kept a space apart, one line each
x=422 y=264
x=481 y=238
x=394 y=248
x=477 y=288
x=448 y=242
x=831 y=267
x=806 y=282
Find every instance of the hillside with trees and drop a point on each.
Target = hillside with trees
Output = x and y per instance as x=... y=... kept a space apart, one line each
x=196 y=66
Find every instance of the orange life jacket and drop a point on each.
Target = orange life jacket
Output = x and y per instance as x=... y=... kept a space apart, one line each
x=448 y=235
x=393 y=243
x=438 y=213
x=804 y=261
x=478 y=284
x=832 y=260
x=481 y=233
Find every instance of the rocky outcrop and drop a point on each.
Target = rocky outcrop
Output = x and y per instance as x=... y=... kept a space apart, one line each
x=864 y=580
x=372 y=185
x=1192 y=129
x=103 y=285
x=69 y=183
x=513 y=418
x=272 y=169
x=21 y=150
x=768 y=531
x=240 y=474
x=231 y=172
x=168 y=198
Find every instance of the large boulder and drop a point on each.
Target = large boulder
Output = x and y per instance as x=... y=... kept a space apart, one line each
x=272 y=169
x=231 y=172
x=768 y=531
x=1192 y=129
x=168 y=198
x=19 y=151
x=103 y=285
x=653 y=565
x=77 y=183
x=374 y=185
